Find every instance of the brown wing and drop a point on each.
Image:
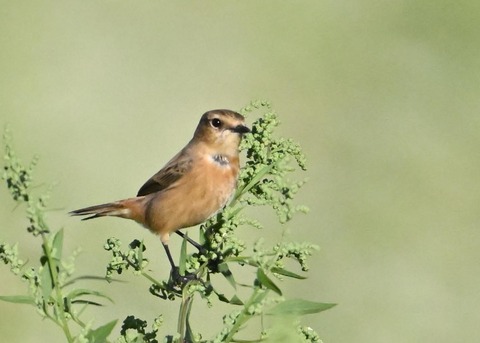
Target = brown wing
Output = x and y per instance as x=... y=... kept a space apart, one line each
x=168 y=175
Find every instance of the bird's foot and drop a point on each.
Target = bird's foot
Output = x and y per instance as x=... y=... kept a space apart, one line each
x=181 y=280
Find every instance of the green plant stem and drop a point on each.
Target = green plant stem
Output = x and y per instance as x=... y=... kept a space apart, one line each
x=151 y=279
x=58 y=294
x=185 y=308
x=257 y=296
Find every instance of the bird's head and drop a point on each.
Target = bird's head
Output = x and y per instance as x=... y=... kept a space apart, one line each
x=222 y=130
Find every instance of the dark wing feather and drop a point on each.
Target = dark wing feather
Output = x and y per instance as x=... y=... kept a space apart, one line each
x=168 y=175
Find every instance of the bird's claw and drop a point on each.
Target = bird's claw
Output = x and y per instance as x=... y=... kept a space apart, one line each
x=177 y=279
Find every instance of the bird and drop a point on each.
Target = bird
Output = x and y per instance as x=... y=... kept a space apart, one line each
x=193 y=186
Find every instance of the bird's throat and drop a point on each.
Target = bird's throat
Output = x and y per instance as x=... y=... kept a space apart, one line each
x=221 y=160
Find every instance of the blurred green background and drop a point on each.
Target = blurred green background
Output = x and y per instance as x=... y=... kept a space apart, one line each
x=382 y=95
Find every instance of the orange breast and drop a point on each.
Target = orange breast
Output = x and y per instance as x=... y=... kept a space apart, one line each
x=196 y=197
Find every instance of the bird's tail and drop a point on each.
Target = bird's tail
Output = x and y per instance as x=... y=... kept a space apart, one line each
x=117 y=209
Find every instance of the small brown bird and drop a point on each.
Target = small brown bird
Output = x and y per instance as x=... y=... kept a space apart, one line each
x=193 y=186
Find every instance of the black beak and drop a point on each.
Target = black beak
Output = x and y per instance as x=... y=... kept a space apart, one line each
x=241 y=129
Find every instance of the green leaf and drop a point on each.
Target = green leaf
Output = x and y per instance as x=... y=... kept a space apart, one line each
x=101 y=334
x=241 y=259
x=140 y=255
x=300 y=307
x=86 y=302
x=236 y=301
x=288 y=273
x=88 y=277
x=225 y=270
x=264 y=171
x=46 y=282
x=18 y=299
x=57 y=245
x=182 y=266
x=221 y=297
x=82 y=292
x=267 y=282
x=234 y=212
x=201 y=236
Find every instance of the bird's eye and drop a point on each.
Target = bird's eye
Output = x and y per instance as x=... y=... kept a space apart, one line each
x=216 y=122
